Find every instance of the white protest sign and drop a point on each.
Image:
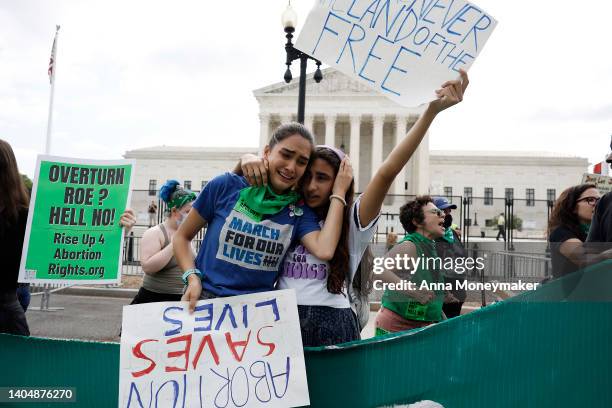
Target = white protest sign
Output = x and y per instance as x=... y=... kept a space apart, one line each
x=404 y=49
x=241 y=351
x=602 y=182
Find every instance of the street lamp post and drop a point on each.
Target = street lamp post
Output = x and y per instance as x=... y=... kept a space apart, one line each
x=289 y=20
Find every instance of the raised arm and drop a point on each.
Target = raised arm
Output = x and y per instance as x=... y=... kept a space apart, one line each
x=450 y=94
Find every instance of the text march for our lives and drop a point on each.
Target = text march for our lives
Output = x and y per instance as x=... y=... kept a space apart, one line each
x=73 y=232
x=404 y=49
x=241 y=351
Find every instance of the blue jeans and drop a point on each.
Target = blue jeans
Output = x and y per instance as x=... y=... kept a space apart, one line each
x=23 y=295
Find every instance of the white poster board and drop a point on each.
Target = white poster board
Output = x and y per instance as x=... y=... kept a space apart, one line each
x=241 y=351
x=404 y=49
x=603 y=182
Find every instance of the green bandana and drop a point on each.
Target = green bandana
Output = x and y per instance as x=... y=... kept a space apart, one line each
x=181 y=197
x=421 y=242
x=448 y=235
x=585 y=228
x=255 y=201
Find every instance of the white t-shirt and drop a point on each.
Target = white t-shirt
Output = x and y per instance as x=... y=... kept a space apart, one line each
x=307 y=274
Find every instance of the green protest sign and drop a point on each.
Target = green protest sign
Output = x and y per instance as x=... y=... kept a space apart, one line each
x=73 y=232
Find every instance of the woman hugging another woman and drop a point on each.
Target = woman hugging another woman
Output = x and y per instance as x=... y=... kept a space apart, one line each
x=250 y=228
x=331 y=295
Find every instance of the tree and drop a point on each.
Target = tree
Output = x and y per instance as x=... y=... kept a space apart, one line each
x=27 y=182
x=517 y=222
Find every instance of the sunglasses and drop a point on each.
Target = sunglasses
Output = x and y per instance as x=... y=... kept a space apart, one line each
x=589 y=200
x=436 y=211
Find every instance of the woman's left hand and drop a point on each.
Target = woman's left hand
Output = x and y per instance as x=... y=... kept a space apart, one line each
x=450 y=93
x=128 y=219
x=343 y=178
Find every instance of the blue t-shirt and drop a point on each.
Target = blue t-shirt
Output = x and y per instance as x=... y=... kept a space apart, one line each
x=239 y=255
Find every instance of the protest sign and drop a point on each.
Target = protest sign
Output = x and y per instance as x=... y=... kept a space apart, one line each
x=241 y=351
x=73 y=232
x=602 y=182
x=404 y=49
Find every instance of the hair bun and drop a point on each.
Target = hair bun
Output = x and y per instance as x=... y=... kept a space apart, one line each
x=166 y=191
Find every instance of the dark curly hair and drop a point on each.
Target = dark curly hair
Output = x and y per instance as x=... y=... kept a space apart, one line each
x=339 y=264
x=413 y=211
x=563 y=213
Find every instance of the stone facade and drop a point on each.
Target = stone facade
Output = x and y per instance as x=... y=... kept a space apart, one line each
x=367 y=125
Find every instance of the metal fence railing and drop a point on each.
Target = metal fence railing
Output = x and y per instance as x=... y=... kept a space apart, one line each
x=131 y=254
x=45 y=290
x=499 y=264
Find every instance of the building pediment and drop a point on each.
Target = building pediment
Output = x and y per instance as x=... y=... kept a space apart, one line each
x=334 y=83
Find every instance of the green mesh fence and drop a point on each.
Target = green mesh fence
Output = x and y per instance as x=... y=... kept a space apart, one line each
x=548 y=348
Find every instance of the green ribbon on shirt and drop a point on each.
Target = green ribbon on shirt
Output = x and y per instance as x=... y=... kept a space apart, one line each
x=257 y=201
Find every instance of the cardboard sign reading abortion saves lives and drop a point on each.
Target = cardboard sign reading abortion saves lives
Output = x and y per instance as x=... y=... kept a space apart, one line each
x=241 y=351
x=404 y=49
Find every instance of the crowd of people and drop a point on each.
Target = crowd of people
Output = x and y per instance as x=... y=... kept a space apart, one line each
x=300 y=198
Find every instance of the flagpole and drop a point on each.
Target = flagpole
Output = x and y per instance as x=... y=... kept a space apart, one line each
x=46 y=295
x=53 y=68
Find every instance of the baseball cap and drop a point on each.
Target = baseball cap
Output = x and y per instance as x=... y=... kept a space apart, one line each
x=442 y=203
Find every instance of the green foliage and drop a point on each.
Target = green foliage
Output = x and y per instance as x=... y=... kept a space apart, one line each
x=517 y=222
x=27 y=182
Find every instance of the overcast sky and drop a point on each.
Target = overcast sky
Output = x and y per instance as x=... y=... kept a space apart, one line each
x=133 y=74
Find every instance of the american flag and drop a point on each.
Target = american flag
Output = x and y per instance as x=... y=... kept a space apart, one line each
x=602 y=168
x=52 y=59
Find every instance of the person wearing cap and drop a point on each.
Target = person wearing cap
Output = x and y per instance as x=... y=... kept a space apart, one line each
x=450 y=246
x=443 y=204
x=601 y=223
x=332 y=295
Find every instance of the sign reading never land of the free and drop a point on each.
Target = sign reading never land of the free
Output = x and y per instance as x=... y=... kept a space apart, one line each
x=404 y=49
x=73 y=232
x=240 y=351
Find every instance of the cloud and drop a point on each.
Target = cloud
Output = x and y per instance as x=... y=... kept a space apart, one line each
x=584 y=113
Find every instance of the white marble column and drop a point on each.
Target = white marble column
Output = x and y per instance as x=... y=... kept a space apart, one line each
x=264 y=131
x=400 y=133
x=330 y=129
x=377 y=141
x=354 y=147
x=309 y=122
x=286 y=118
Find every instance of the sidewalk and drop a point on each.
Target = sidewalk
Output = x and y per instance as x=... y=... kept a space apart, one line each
x=84 y=317
x=95 y=314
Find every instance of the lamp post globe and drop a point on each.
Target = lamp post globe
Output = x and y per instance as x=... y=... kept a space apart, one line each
x=289 y=22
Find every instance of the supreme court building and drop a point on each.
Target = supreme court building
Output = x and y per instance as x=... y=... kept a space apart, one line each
x=367 y=125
